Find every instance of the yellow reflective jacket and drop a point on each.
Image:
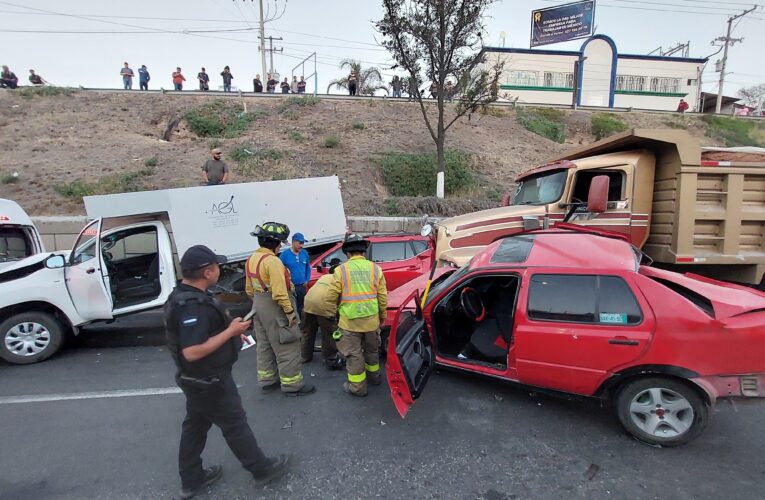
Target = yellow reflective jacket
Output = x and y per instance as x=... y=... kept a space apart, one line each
x=361 y=291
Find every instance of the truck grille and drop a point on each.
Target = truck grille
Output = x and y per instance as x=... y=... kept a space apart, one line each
x=749 y=386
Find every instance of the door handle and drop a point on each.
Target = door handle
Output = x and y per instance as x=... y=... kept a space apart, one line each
x=623 y=341
x=91 y=270
x=413 y=268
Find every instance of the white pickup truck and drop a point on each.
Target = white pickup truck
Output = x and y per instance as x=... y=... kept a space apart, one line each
x=18 y=236
x=126 y=259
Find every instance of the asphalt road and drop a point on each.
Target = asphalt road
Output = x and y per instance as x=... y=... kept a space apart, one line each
x=465 y=438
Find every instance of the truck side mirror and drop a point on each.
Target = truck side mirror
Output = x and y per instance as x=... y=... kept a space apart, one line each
x=597 y=199
x=505 y=200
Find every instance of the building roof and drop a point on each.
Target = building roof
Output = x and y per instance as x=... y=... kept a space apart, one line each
x=575 y=53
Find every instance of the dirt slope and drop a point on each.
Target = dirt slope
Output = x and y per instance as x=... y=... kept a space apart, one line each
x=50 y=141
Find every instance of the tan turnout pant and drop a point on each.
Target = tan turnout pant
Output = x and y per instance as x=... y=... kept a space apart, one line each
x=311 y=324
x=362 y=357
x=278 y=345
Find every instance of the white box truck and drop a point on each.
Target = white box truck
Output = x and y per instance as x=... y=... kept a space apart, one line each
x=126 y=259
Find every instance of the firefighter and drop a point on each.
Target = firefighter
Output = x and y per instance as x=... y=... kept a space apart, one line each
x=360 y=290
x=275 y=322
x=321 y=314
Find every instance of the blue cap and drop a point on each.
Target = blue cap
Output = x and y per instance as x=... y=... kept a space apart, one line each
x=298 y=237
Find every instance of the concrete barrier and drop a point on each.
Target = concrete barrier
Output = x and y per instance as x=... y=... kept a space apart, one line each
x=59 y=233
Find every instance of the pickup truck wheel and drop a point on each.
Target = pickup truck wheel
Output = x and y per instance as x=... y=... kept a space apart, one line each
x=30 y=337
x=661 y=411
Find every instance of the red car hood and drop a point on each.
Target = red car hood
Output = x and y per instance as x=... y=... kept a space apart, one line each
x=400 y=294
x=727 y=299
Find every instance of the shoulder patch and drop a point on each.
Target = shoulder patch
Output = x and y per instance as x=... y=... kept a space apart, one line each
x=190 y=321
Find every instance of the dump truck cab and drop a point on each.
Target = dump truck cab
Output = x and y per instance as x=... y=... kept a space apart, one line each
x=650 y=185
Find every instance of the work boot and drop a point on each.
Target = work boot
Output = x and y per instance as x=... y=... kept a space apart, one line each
x=303 y=391
x=335 y=364
x=274 y=469
x=347 y=388
x=374 y=380
x=270 y=387
x=211 y=475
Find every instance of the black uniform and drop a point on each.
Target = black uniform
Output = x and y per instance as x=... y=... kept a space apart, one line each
x=191 y=317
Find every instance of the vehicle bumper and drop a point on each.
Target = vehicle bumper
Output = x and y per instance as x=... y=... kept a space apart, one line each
x=750 y=385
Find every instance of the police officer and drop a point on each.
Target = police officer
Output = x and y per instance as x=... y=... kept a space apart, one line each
x=276 y=321
x=360 y=289
x=321 y=314
x=205 y=346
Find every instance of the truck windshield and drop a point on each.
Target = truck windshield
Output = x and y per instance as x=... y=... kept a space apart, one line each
x=541 y=189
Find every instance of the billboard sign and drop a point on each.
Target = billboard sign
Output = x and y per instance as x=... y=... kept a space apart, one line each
x=562 y=23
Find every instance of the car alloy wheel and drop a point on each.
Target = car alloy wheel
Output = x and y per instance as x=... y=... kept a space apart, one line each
x=661 y=412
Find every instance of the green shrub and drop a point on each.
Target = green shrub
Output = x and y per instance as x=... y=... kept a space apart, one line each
x=675 y=125
x=9 y=178
x=301 y=101
x=331 y=141
x=391 y=207
x=295 y=135
x=240 y=154
x=359 y=125
x=122 y=183
x=406 y=174
x=735 y=131
x=151 y=162
x=44 y=91
x=249 y=166
x=214 y=143
x=292 y=114
x=494 y=111
x=606 y=124
x=546 y=122
x=220 y=118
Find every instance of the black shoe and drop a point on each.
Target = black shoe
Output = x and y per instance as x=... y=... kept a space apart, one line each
x=270 y=387
x=211 y=475
x=374 y=381
x=274 y=469
x=303 y=391
x=335 y=364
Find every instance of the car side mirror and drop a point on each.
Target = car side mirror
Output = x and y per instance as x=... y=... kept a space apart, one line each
x=320 y=268
x=597 y=199
x=55 y=262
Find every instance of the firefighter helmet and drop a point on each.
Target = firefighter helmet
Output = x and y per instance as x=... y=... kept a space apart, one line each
x=355 y=243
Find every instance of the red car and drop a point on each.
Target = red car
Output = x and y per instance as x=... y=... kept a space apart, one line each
x=573 y=311
x=401 y=257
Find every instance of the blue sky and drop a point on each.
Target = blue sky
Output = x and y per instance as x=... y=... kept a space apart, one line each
x=335 y=29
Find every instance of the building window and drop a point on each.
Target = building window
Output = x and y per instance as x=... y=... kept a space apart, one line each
x=525 y=78
x=693 y=82
x=630 y=82
x=665 y=84
x=559 y=80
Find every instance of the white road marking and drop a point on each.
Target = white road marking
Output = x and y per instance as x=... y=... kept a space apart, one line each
x=41 y=398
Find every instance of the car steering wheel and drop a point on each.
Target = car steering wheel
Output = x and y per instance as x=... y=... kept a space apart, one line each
x=472 y=305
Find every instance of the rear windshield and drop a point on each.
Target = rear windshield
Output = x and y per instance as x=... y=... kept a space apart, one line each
x=697 y=299
x=14 y=244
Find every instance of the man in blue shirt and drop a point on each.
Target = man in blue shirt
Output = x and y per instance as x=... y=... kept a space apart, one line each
x=295 y=258
x=143 y=77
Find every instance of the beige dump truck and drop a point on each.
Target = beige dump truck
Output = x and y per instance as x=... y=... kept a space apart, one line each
x=684 y=206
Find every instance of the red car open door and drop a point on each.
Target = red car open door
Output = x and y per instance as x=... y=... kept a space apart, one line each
x=410 y=356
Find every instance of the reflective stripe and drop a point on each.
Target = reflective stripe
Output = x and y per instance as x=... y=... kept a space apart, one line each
x=266 y=374
x=292 y=380
x=372 y=368
x=357 y=379
x=359 y=278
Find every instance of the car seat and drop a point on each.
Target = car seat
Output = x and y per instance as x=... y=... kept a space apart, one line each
x=136 y=288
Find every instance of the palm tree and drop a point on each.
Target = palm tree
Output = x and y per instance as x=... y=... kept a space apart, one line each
x=368 y=80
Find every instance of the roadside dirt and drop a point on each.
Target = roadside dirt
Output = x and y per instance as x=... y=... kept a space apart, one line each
x=51 y=141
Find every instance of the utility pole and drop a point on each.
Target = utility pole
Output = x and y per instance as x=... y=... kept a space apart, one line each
x=262 y=41
x=727 y=41
x=271 y=49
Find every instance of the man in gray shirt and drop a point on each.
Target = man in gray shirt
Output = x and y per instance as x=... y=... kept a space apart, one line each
x=215 y=171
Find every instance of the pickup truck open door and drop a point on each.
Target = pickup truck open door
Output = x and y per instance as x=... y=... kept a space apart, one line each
x=85 y=275
x=410 y=356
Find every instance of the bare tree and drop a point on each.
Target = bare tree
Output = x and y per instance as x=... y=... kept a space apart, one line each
x=441 y=40
x=368 y=80
x=753 y=96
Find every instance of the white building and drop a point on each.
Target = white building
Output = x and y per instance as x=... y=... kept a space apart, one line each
x=606 y=78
